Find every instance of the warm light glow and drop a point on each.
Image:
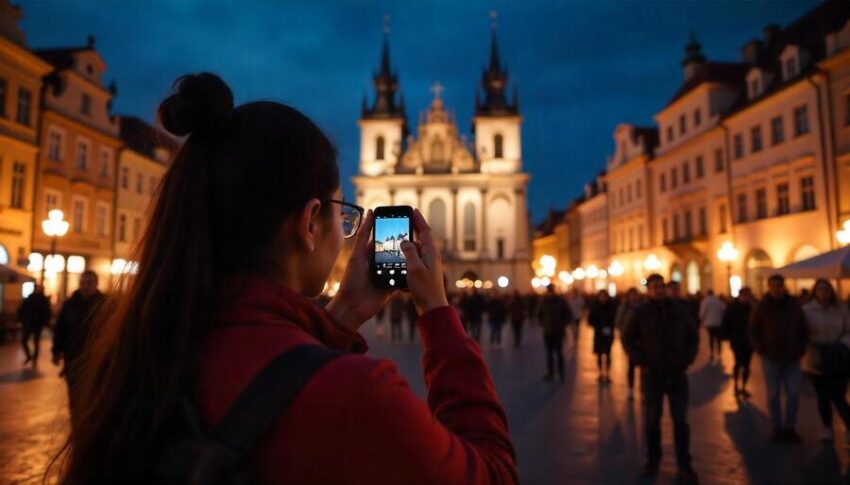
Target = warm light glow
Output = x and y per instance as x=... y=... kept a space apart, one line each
x=547 y=265
x=735 y=285
x=36 y=262
x=566 y=277
x=545 y=281
x=27 y=287
x=118 y=266
x=603 y=274
x=459 y=283
x=592 y=272
x=843 y=235
x=488 y=284
x=479 y=283
x=54 y=263
x=535 y=282
x=579 y=274
x=76 y=264
x=503 y=281
x=54 y=225
x=652 y=263
x=727 y=253
x=616 y=269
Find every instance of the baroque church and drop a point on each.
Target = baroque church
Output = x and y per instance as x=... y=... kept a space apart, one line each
x=472 y=194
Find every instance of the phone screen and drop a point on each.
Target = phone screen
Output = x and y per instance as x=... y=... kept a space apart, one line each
x=390 y=265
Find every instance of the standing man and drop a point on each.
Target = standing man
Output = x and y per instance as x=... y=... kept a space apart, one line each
x=34 y=315
x=736 y=326
x=661 y=337
x=497 y=313
x=473 y=310
x=72 y=329
x=517 y=309
x=632 y=300
x=711 y=311
x=779 y=334
x=554 y=314
x=577 y=306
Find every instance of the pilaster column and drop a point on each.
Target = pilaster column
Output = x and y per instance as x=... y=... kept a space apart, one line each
x=455 y=224
x=483 y=214
x=521 y=223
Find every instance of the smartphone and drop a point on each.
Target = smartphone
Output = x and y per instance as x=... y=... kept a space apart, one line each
x=393 y=224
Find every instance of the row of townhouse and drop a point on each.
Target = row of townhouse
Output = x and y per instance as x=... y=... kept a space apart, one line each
x=752 y=155
x=62 y=148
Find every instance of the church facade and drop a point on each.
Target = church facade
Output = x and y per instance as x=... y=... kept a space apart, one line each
x=472 y=194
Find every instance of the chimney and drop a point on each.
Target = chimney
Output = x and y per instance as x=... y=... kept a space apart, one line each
x=770 y=32
x=751 y=52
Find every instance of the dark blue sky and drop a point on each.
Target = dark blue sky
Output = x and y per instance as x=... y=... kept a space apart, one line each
x=580 y=67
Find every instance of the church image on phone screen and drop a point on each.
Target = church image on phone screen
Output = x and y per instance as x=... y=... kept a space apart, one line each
x=389 y=233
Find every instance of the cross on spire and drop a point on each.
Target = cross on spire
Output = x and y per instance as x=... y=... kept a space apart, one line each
x=386 y=28
x=437 y=89
x=493 y=18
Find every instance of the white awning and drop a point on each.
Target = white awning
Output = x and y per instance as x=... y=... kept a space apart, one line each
x=832 y=264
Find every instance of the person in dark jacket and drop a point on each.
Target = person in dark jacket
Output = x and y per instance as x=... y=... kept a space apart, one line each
x=602 y=316
x=661 y=336
x=631 y=301
x=736 y=321
x=554 y=315
x=473 y=311
x=398 y=307
x=780 y=335
x=497 y=312
x=517 y=309
x=72 y=329
x=412 y=315
x=34 y=315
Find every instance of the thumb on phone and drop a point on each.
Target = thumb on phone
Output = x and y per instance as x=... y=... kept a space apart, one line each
x=411 y=253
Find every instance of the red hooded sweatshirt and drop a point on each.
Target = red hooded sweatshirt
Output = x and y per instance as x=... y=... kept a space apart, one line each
x=357 y=420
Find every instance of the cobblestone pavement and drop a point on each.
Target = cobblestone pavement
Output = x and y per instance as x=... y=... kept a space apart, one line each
x=574 y=432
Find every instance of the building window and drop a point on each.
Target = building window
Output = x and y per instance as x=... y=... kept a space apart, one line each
x=777 y=131
x=152 y=187
x=761 y=203
x=665 y=230
x=498 y=142
x=689 y=228
x=703 y=222
x=137 y=228
x=621 y=196
x=846 y=108
x=669 y=133
x=24 y=106
x=742 y=207
x=697 y=117
x=379 y=148
x=674 y=178
x=140 y=183
x=51 y=201
x=628 y=193
x=662 y=182
x=801 y=120
x=500 y=248
x=78 y=221
x=700 y=167
x=469 y=227
x=683 y=122
x=675 y=227
x=718 y=160
x=85 y=104
x=755 y=139
x=3 y=90
x=122 y=228
x=101 y=219
x=783 y=201
x=790 y=68
x=754 y=88
x=82 y=155
x=19 y=172
x=686 y=172
x=721 y=210
x=637 y=189
x=54 y=145
x=739 y=145
x=125 y=178
x=807 y=188
x=105 y=162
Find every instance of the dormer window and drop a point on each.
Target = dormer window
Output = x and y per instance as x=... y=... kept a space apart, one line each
x=755 y=88
x=792 y=60
x=683 y=124
x=697 y=117
x=791 y=70
x=757 y=80
x=89 y=69
x=498 y=142
x=85 y=104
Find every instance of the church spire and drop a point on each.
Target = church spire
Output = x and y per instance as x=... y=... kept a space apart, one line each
x=494 y=81
x=386 y=85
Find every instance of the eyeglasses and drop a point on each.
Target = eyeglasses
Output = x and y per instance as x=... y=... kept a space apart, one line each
x=352 y=215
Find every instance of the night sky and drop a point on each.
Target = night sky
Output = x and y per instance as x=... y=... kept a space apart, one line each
x=580 y=67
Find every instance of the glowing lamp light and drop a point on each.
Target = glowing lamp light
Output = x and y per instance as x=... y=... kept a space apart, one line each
x=566 y=277
x=54 y=263
x=592 y=272
x=36 y=262
x=76 y=264
x=652 y=263
x=488 y=284
x=547 y=265
x=55 y=225
x=535 y=282
x=735 y=285
x=478 y=283
x=603 y=274
x=727 y=253
x=27 y=287
x=503 y=281
x=616 y=269
x=843 y=235
x=545 y=281
x=579 y=274
x=118 y=266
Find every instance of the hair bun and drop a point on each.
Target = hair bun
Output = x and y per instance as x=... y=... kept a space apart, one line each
x=201 y=103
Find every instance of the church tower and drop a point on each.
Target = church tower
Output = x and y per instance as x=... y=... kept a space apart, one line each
x=496 y=123
x=382 y=125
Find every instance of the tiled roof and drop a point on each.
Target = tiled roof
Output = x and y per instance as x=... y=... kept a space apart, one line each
x=718 y=72
x=143 y=138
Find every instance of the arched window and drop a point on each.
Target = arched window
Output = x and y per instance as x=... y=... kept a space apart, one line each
x=437 y=219
x=379 y=148
x=498 y=141
x=469 y=227
x=692 y=277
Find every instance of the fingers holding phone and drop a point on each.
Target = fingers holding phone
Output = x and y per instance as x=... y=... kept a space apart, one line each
x=424 y=268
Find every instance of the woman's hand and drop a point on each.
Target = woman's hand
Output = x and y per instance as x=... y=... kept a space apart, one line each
x=357 y=299
x=424 y=268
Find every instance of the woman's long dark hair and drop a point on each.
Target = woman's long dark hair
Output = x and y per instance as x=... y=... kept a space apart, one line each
x=237 y=177
x=833 y=299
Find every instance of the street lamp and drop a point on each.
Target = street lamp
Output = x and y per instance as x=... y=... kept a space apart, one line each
x=616 y=269
x=547 y=265
x=726 y=254
x=843 y=235
x=652 y=263
x=54 y=227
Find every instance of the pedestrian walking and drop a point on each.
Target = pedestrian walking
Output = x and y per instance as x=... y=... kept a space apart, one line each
x=631 y=301
x=780 y=335
x=217 y=320
x=517 y=310
x=497 y=313
x=73 y=326
x=662 y=337
x=736 y=321
x=473 y=310
x=603 y=312
x=554 y=314
x=711 y=310
x=577 y=308
x=829 y=328
x=398 y=309
x=34 y=315
x=380 y=330
x=411 y=319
